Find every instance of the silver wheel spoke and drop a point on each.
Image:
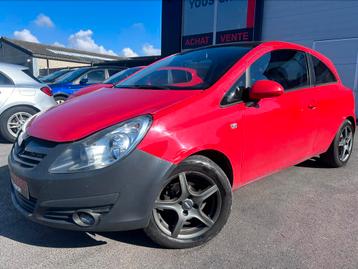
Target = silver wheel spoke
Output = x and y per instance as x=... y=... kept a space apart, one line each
x=184 y=187
x=200 y=215
x=167 y=205
x=178 y=226
x=206 y=194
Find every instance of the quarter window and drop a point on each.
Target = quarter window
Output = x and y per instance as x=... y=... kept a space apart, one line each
x=236 y=93
x=287 y=67
x=323 y=74
x=5 y=81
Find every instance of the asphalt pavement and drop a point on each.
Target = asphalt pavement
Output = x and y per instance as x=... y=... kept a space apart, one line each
x=303 y=217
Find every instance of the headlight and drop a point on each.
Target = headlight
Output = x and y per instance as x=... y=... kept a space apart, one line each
x=103 y=148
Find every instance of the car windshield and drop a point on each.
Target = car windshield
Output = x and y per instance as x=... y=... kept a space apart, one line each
x=54 y=75
x=71 y=76
x=197 y=69
x=121 y=75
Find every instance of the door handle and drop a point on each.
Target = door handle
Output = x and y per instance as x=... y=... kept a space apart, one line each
x=312 y=107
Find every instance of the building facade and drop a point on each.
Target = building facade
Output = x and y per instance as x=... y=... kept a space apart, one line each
x=329 y=26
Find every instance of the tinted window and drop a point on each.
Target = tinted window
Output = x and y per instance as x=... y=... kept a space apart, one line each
x=95 y=76
x=121 y=75
x=180 y=76
x=4 y=80
x=236 y=93
x=197 y=69
x=71 y=76
x=111 y=72
x=51 y=77
x=287 y=67
x=322 y=73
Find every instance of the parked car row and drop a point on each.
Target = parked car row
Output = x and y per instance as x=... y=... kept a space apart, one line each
x=71 y=82
x=22 y=95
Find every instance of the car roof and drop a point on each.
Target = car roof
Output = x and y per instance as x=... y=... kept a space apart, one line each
x=6 y=66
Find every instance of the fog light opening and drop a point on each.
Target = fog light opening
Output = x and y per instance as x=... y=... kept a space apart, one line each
x=85 y=218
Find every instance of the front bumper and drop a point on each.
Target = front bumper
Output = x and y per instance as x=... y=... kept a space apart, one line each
x=123 y=193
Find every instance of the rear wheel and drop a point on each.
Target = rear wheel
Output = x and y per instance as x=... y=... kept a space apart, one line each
x=11 y=121
x=340 y=150
x=193 y=205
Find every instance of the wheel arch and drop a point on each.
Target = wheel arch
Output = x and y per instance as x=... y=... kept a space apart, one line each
x=19 y=105
x=352 y=120
x=61 y=94
x=221 y=160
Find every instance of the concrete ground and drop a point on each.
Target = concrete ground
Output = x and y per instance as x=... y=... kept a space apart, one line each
x=303 y=217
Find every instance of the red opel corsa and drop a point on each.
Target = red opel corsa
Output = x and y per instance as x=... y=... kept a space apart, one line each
x=165 y=150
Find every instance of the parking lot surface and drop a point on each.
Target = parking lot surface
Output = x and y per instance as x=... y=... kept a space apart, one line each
x=303 y=217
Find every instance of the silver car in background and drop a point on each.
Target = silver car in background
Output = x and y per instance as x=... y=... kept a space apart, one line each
x=21 y=96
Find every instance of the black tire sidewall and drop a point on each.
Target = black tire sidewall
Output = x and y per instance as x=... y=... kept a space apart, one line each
x=331 y=157
x=206 y=166
x=335 y=149
x=4 y=117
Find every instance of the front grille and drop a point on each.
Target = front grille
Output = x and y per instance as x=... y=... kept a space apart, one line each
x=65 y=214
x=31 y=152
x=28 y=159
x=27 y=204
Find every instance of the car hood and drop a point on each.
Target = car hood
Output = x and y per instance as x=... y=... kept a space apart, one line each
x=91 y=88
x=81 y=117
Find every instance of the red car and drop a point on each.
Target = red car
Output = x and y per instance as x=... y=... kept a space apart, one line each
x=109 y=83
x=165 y=151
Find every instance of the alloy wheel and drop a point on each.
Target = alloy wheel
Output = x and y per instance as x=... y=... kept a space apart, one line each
x=345 y=143
x=15 y=122
x=188 y=206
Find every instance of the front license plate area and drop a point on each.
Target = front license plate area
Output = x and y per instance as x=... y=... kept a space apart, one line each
x=20 y=185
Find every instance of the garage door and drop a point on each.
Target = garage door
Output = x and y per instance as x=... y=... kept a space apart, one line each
x=344 y=54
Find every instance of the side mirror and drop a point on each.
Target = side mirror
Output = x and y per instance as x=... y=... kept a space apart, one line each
x=265 y=89
x=83 y=81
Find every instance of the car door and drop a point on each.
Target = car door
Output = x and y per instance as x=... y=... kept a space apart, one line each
x=89 y=78
x=6 y=88
x=276 y=132
x=326 y=91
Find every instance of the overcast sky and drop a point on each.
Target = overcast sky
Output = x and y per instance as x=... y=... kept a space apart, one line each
x=119 y=27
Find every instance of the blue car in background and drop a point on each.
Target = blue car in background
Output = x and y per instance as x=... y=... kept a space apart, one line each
x=51 y=78
x=79 y=78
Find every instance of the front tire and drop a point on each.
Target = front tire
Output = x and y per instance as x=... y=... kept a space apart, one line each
x=11 y=121
x=193 y=205
x=340 y=150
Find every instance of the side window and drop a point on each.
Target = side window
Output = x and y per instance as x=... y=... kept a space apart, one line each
x=96 y=76
x=5 y=81
x=287 y=67
x=322 y=73
x=111 y=72
x=235 y=94
x=180 y=76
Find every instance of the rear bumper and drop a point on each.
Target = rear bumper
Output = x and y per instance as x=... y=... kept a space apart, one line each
x=44 y=102
x=122 y=194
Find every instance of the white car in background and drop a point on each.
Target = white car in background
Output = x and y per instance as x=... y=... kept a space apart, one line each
x=21 y=96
